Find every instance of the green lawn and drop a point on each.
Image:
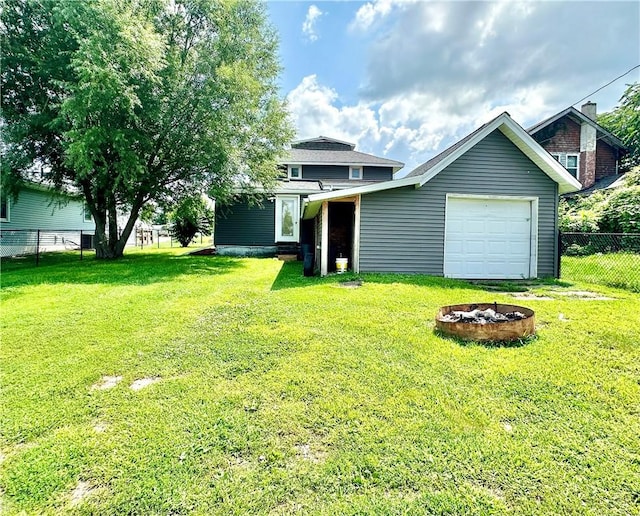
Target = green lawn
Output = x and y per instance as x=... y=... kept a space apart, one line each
x=620 y=270
x=277 y=394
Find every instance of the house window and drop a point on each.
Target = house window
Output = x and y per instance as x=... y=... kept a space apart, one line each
x=572 y=165
x=295 y=171
x=568 y=161
x=86 y=213
x=355 y=173
x=4 y=208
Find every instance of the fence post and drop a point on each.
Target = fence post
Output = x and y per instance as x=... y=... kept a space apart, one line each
x=38 y=249
x=559 y=253
x=81 y=245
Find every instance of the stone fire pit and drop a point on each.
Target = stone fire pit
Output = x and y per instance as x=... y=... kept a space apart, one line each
x=485 y=322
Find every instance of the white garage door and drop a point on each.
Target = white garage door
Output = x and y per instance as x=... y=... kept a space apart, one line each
x=489 y=238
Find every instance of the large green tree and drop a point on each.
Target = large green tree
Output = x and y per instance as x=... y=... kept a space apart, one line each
x=132 y=101
x=624 y=122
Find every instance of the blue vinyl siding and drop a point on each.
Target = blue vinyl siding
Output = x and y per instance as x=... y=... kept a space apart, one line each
x=242 y=225
x=377 y=173
x=339 y=172
x=325 y=172
x=402 y=230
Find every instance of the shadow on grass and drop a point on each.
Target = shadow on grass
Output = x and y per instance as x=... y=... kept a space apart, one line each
x=494 y=344
x=133 y=269
x=291 y=276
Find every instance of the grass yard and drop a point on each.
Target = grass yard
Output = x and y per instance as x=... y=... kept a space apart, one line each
x=621 y=270
x=273 y=393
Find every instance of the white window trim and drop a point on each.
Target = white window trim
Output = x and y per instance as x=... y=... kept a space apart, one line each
x=296 y=219
x=561 y=157
x=8 y=217
x=359 y=167
x=289 y=167
x=577 y=156
x=533 y=245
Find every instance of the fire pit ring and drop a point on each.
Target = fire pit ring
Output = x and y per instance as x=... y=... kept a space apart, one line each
x=519 y=323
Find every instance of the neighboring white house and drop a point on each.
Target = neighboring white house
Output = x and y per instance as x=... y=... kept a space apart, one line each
x=45 y=219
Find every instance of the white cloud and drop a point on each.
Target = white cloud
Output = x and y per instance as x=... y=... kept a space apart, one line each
x=372 y=12
x=409 y=127
x=445 y=48
x=309 y=24
x=314 y=112
x=438 y=70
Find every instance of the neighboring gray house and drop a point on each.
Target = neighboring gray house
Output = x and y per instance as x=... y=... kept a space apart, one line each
x=312 y=166
x=485 y=208
x=60 y=218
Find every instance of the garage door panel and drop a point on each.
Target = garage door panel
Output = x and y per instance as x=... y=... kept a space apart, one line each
x=488 y=238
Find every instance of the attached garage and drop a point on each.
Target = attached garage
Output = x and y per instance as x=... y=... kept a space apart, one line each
x=490 y=237
x=485 y=208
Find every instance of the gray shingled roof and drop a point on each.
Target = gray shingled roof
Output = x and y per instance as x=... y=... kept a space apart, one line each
x=604 y=183
x=299 y=186
x=307 y=156
x=571 y=111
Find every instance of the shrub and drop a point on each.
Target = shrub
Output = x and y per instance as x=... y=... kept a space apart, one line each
x=580 y=215
x=621 y=214
x=192 y=215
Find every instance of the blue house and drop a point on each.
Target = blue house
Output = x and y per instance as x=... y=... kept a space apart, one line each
x=57 y=219
x=276 y=227
x=485 y=208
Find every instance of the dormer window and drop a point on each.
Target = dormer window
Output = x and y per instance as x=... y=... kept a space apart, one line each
x=355 y=172
x=294 y=171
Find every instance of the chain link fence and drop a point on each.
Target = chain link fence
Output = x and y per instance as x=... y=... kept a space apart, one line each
x=611 y=259
x=27 y=242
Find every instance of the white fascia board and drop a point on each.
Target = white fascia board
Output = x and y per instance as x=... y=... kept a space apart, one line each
x=313 y=202
x=536 y=153
x=521 y=139
x=365 y=189
x=278 y=191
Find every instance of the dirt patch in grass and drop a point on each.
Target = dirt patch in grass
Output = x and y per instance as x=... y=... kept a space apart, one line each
x=528 y=296
x=306 y=452
x=106 y=382
x=81 y=491
x=144 y=382
x=351 y=284
x=100 y=427
x=584 y=294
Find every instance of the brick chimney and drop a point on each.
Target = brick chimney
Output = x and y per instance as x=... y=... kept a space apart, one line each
x=590 y=110
x=588 y=139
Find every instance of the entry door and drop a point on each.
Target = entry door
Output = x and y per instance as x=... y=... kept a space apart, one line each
x=489 y=238
x=287 y=218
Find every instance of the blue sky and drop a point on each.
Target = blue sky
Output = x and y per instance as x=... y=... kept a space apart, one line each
x=405 y=79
